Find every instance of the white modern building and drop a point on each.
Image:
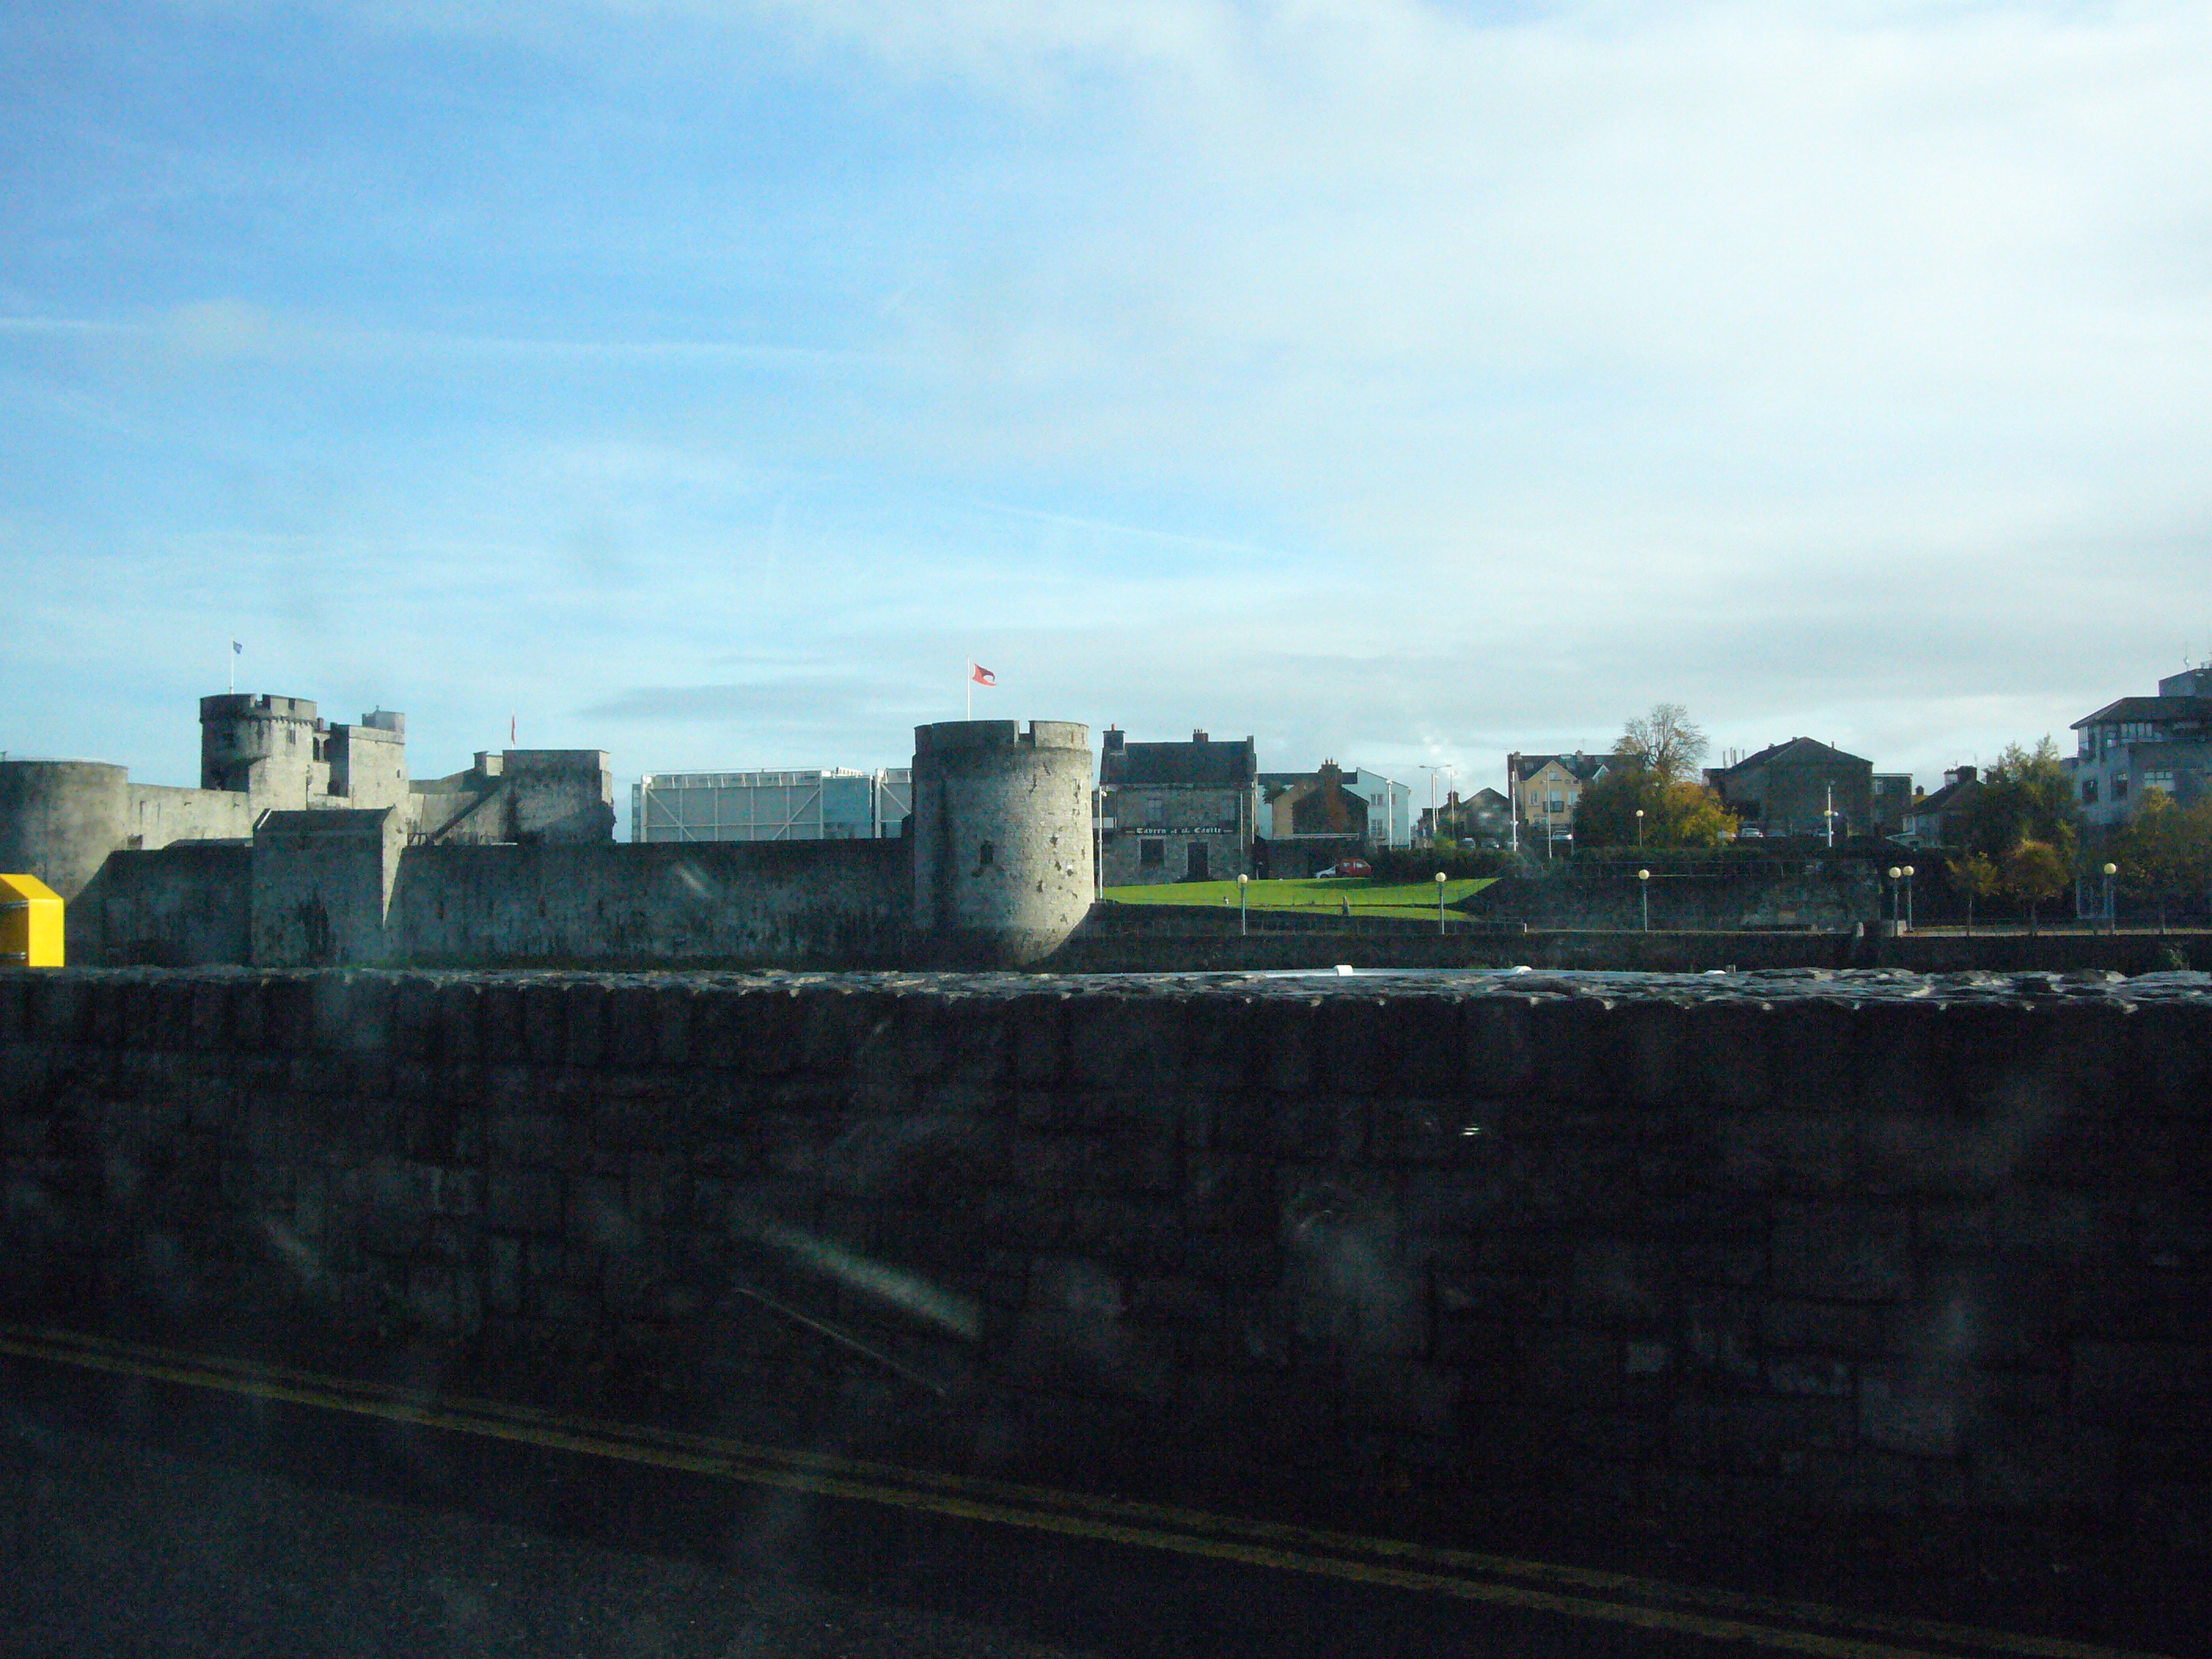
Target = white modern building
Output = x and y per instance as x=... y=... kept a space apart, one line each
x=1390 y=815
x=836 y=803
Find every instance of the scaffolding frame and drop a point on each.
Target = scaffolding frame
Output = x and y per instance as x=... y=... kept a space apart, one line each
x=781 y=806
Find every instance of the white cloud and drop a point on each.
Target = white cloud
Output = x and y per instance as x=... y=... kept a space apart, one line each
x=1404 y=380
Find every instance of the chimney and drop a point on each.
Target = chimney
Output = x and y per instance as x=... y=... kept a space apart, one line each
x=1111 y=740
x=1198 y=736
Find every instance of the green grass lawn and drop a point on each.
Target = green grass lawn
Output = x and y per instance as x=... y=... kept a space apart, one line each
x=1368 y=898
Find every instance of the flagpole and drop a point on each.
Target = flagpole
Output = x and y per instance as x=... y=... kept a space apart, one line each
x=971 y=689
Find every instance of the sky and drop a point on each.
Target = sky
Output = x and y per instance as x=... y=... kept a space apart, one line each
x=1402 y=384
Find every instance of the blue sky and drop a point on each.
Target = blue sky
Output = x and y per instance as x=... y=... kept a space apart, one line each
x=1400 y=382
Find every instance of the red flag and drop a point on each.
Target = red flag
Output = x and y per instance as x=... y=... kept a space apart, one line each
x=982 y=674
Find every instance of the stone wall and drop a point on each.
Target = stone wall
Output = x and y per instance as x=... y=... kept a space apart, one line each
x=1198 y=939
x=797 y=902
x=1711 y=1251
x=174 y=906
x=322 y=885
x=161 y=815
x=341 y=887
x=1836 y=895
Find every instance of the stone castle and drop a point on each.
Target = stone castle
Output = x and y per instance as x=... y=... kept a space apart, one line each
x=307 y=843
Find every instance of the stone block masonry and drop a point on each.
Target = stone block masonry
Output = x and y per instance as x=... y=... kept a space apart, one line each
x=1709 y=1246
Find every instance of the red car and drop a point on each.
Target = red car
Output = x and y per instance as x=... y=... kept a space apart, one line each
x=1346 y=867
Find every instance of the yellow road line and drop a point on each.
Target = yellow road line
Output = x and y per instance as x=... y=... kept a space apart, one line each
x=1075 y=1515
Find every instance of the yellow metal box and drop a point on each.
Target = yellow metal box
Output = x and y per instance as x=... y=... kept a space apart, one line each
x=30 y=923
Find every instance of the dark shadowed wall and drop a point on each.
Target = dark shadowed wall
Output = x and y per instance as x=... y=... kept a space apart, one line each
x=1690 y=1249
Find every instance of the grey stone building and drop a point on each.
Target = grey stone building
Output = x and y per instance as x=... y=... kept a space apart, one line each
x=87 y=831
x=1791 y=789
x=1176 y=812
x=2140 y=744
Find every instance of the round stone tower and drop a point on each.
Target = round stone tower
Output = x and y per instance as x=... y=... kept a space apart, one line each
x=1002 y=866
x=268 y=748
x=60 y=819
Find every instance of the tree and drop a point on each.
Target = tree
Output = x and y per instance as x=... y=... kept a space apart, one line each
x=1677 y=814
x=1695 y=816
x=2034 y=873
x=2165 y=853
x=2025 y=796
x=1976 y=876
x=1665 y=743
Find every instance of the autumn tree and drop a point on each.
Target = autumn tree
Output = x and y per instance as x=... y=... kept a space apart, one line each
x=1977 y=876
x=2025 y=796
x=2165 y=853
x=2032 y=872
x=1665 y=743
x=1675 y=814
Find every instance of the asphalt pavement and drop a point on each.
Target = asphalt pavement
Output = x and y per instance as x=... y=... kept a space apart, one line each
x=153 y=1504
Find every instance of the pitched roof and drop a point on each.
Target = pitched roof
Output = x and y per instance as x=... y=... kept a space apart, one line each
x=1798 y=748
x=2162 y=710
x=1951 y=798
x=1156 y=765
x=1584 y=767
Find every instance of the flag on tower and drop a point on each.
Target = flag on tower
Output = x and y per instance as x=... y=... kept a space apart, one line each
x=977 y=675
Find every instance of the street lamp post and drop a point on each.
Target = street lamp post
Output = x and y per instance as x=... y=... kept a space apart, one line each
x=1440 y=900
x=1390 y=788
x=1895 y=876
x=1433 y=769
x=2111 y=927
x=1243 y=881
x=1644 y=892
x=1640 y=829
x=1908 y=898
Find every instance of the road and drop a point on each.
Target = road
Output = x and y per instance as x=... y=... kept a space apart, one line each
x=155 y=1504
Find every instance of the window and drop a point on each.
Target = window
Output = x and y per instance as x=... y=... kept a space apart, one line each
x=2119 y=785
x=2159 y=780
x=1151 y=852
x=2088 y=792
x=1195 y=861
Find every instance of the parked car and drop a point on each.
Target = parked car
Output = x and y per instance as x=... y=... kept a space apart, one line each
x=1347 y=867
